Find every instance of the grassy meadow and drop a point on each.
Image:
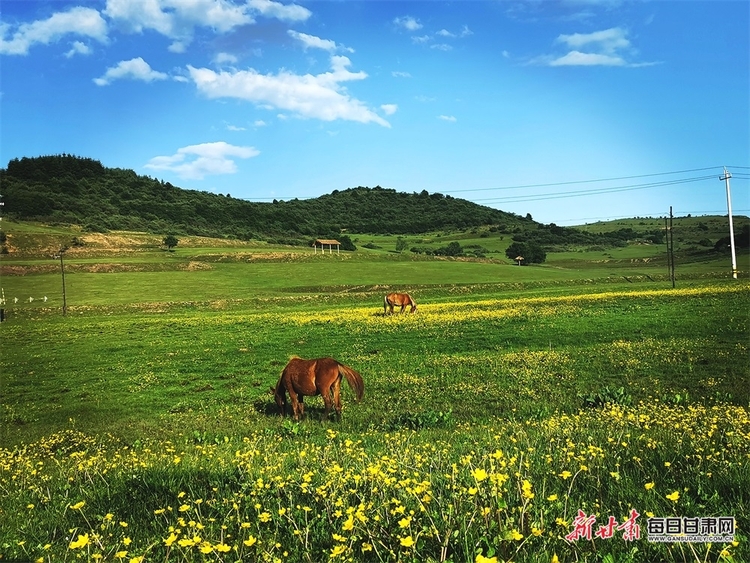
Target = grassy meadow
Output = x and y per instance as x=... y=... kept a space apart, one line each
x=139 y=427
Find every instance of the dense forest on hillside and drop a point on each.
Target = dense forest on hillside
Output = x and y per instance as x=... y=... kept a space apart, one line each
x=69 y=189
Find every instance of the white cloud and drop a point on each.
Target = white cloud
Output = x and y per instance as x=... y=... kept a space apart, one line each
x=400 y=74
x=465 y=32
x=259 y=123
x=235 y=128
x=78 y=48
x=576 y=58
x=198 y=161
x=177 y=19
x=606 y=41
x=609 y=47
x=313 y=42
x=389 y=109
x=225 y=58
x=441 y=35
x=76 y=21
x=285 y=12
x=408 y=23
x=447 y=118
x=310 y=41
x=319 y=96
x=134 y=69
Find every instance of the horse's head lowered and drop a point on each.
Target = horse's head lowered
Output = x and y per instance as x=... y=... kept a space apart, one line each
x=279 y=395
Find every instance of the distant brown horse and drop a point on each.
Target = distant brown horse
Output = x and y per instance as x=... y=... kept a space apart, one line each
x=398 y=299
x=321 y=376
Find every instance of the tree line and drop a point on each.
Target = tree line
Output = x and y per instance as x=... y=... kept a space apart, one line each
x=74 y=190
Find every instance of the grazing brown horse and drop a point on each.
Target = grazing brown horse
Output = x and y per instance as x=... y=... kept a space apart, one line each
x=398 y=299
x=321 y=376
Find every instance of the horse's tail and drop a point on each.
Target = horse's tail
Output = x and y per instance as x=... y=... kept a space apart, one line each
x=385 y=304
x=354 y=379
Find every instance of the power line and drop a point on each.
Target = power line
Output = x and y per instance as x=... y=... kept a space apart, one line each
x=541 y=197
x=654 y=215
x=547 y=185
x=595 y=191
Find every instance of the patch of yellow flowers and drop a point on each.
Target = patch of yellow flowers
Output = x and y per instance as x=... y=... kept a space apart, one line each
x=381 y=497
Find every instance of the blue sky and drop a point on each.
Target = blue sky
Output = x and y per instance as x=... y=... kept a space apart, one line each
x=522 y=105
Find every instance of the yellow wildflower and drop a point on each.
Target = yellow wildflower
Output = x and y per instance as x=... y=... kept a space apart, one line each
x=526 y=489
x=479 y=474
x=649 y=486
x=674 y=496
x=206 y=547
x=338 y=550
x=407 y=541
x=83 y=539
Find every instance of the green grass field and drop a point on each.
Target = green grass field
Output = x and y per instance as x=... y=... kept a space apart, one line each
x=139 y=427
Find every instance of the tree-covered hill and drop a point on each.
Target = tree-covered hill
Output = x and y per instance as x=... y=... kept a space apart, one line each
x=70 y=189
x=67 y=189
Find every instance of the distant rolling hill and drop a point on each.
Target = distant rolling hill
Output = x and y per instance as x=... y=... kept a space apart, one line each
x=70 y=189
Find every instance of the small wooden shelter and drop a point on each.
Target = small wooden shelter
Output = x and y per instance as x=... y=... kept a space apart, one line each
x=330 y=243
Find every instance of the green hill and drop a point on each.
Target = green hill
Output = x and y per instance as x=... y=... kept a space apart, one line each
x=70 y=190
x=74 y=190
